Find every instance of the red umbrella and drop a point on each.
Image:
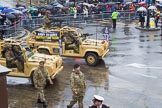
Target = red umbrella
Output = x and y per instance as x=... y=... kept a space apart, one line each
x=142 y=3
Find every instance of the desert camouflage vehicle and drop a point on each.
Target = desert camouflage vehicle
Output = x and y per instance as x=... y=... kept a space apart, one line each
x=29 y=60
x=68 y=42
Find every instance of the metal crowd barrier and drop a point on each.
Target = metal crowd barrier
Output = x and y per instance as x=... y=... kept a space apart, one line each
x=68 y=19
x=7 y=31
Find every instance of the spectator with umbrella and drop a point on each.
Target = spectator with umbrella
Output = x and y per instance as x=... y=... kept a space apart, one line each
x=7 y=10
x=7 y=22
x=142 y=14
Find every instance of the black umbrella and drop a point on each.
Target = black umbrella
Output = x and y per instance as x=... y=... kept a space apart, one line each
x=41 y=7
x=49 y=7
x=1 y=17
x=10 y=16
x=15 y=14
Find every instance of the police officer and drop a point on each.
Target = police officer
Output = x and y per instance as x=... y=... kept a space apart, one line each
x=78 y=87
x=40 y=77
x=97 y=102
x=47 y=21
x=114 y=17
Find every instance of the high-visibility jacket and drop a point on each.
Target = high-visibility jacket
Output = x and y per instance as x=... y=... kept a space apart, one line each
x=114 y=15
x=158 y=14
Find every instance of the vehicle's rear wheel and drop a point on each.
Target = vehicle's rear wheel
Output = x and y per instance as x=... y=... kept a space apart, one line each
x=44 y=51
x=91 y=59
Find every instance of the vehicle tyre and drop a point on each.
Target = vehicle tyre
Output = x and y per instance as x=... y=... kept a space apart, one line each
x=44 y=51
x=91 y=59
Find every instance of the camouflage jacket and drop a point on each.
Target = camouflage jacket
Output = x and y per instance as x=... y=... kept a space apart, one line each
x=46 y=20
x=77 y=83
x=40 y=77
x=9 y=55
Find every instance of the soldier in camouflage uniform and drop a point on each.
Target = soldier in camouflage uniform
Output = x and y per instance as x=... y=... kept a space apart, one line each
x=40 y=77
x=10 y=57
x=78 y=86
x=47 y=21
x=69 y=42
x=20 y=58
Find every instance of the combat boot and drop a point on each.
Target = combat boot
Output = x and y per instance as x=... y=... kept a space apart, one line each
x=39 y=101
x=68 y=106
x=45 y=104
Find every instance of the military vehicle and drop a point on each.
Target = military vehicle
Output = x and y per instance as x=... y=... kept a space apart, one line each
x=68 y=42
x=28 y=59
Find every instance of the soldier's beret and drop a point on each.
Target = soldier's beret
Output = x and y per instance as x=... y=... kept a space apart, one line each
x=41 y=62
x=48 y=12
x=76 y=66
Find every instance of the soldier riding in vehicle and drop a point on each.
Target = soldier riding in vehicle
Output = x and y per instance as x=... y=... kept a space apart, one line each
x=14 y=58
x=22 y=61
x=68 y=42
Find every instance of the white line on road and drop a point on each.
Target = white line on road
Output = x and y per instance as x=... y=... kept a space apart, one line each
x=155 y=77
x=137 y=65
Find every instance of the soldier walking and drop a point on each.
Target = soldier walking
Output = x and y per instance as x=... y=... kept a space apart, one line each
x=40 y=77
x=78 y=87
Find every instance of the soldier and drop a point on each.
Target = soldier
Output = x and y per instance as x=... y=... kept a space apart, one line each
x=69 y=42
x=20 y=58
x=47 y=21
x=78 y=86
x=40 y=77
x=10 y=58
x=97 y=102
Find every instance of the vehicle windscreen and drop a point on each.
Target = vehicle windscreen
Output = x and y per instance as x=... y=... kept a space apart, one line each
x=24 y=45
x=29 y=53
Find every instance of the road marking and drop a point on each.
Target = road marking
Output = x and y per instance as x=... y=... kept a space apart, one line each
x=138 y=65
x=149 y=76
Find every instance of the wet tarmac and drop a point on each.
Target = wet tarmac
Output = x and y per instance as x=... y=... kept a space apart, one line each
x=128 y=77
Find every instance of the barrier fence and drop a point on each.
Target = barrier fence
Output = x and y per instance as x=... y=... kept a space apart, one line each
x=68 y=19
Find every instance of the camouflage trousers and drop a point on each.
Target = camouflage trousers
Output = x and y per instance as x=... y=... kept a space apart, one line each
x=74 y=47
x=75 y=99
x=40 y=94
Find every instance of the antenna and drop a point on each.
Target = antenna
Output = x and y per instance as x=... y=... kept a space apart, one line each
x=97 y=20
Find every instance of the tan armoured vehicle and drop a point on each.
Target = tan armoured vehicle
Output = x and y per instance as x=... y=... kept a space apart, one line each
x=68 y=42
x=27 y=60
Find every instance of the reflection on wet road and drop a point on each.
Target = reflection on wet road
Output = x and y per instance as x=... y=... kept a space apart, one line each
x=129 y=77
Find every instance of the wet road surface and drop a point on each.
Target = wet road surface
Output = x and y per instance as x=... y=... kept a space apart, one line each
x=129 y=76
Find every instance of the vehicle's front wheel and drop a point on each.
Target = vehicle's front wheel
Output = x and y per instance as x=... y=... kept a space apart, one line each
x=91 y=59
